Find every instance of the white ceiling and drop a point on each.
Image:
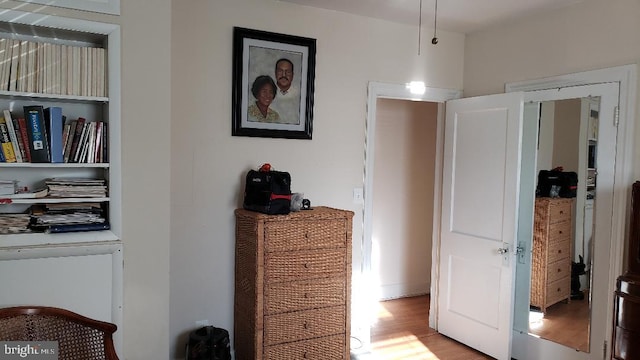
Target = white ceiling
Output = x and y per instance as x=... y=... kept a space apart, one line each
x=463 y=16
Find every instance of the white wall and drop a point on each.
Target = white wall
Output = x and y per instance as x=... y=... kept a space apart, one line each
x=146 y=137
x=208 y=165
x=566 y=134
x=588 y=35
x=403 y=182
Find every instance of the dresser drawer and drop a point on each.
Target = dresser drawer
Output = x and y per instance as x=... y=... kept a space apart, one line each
x=301 y=295
x=326 y=348
x=560 y=211
x=305 y=235
x=558 y=290
x=303 y=325
x=304 y=265
x=560 y=230
x=558 y=270
x=559 y=250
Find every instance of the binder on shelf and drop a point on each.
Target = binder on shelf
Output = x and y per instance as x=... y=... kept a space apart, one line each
x=38 y=143
x=54 y=124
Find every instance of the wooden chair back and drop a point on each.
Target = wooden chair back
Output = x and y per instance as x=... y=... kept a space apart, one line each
x=78 y=337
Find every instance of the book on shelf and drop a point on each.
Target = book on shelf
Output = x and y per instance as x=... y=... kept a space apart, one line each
x=21 y=142
x=54 y=124
x=15 y=54
x=77 y=227
x=68 y=143
x=38 y=143
x=5 y=142
x=50 y=68
x=36 y=194
x=24 y=135
x=8 y=187
x=5 y=62
x=13 y=135
x=80 y=123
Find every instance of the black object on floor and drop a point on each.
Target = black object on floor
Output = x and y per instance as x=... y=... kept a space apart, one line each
x=577 y=269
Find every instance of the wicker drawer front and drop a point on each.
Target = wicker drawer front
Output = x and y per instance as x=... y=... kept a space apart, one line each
x=560 y=230
x=304 y=265
x=301 y=295
x=558 y=270
x=558 y=290
x=560 y=211
x=305 y=235
x=559 y=250
x=326 y=348
x=303 y=325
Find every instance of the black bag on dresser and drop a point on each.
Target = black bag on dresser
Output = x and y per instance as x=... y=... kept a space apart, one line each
x=566 y=183
x=268 y=192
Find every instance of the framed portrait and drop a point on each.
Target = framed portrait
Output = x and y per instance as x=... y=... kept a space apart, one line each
x=273 y=82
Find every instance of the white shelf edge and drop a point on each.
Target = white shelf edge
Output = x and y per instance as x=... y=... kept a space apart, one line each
x=53 y=96
x=111 y=7
x=15 y=242
x=45 y=200
x=54 y=165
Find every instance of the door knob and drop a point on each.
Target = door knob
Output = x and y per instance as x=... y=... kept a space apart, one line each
x=502 y=251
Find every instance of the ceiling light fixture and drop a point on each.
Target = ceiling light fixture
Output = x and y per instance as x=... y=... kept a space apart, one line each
x=416 y=87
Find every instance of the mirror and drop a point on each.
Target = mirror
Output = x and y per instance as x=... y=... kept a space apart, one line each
x=563 y=225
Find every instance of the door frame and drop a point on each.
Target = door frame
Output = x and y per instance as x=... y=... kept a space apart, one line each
x=378 y=90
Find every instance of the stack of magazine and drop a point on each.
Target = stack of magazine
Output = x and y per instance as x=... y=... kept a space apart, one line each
x=68 y=217
x=14 y=223
x=76 y=187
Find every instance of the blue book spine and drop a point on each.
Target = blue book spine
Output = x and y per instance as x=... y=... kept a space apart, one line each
x=78 y=227
x=2 y=159
x=54 y=122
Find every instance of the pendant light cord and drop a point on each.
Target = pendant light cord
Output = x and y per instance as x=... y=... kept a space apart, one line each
x=420 y=28
x=435 y=25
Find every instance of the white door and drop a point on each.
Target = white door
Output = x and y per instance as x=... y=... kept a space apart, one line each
x=479 y=214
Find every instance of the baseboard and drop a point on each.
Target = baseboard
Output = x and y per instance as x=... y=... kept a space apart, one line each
x=396 y=291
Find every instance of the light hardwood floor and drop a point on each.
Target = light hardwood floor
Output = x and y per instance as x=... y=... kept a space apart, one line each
x=402 y=332
x=565 y=323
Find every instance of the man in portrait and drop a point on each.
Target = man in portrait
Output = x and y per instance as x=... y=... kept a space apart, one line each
x=287 y=100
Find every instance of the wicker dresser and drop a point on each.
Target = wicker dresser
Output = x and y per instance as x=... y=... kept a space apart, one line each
x=551 y=256
x=293 y=285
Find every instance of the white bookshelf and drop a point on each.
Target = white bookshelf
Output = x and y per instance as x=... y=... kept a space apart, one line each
x=32 y=257
x=45 y=28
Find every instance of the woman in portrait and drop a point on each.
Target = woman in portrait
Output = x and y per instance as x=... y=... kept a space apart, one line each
x=264 y=91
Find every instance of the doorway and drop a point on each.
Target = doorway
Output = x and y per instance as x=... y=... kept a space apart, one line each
x=404 y=175
x=366 y=302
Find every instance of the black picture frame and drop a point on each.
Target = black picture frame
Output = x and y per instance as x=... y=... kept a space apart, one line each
x=255 y=55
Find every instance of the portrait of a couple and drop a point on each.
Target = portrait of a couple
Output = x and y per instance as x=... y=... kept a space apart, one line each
x=273 y=84
x=276 y=101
